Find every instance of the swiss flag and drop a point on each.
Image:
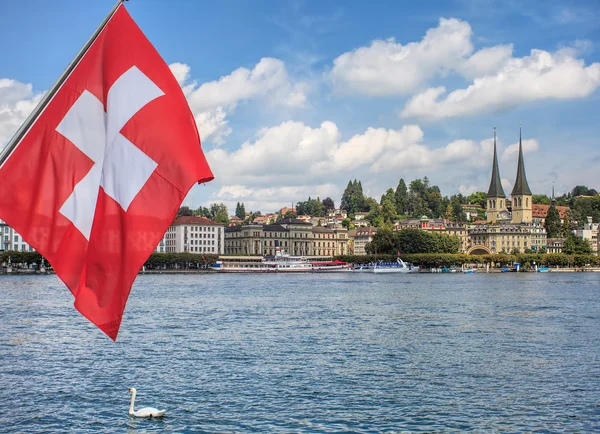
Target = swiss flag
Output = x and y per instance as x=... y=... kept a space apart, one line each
x=98 y=178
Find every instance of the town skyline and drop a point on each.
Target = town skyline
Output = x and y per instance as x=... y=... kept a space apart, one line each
x=289 y=105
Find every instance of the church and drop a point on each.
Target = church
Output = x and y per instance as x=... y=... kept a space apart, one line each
x=508 y=231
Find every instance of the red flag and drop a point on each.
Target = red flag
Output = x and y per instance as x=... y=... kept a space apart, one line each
x=398 y=253
x=99 y=176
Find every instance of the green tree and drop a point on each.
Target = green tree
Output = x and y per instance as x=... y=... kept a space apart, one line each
x=552 y=223
x=541 y=199
x=401 y=196
x=458 y=213
x=353 y=198
x=388 y=208
x=384 y=241
x=240 y=211
x=218 y=212
x=184 y=211
x=328 y=204
x=479 y=198
x=575 y=245
x=582 y=190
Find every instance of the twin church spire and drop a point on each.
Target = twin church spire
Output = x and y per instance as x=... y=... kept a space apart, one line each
x=521 y=187
x=521 y=197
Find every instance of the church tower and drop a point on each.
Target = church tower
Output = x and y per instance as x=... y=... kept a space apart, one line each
x=496 y=199
x=521 y=194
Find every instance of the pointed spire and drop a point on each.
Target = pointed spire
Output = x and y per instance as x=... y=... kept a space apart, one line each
x=553 y=197
x=521 y=187
x=495 y=189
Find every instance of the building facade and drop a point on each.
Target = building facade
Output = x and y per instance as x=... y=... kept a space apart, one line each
x=12 y=240
x=460 y=231
x=506 y=238
x=292 y=236
x=508 y=231
x=589 y=233
x=195 y=235
x=362 y=237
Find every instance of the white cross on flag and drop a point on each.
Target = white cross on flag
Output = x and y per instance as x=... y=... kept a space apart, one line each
x=101 y=173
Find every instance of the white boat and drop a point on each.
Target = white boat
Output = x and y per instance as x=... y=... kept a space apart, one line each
x=363 y=268
x=470 y=271
x=280 y=263
x=394 y=267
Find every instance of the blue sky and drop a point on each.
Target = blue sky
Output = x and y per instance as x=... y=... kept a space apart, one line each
x=295 y=98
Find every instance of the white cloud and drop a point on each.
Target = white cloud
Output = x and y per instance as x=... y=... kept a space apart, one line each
x=292 y=152
x=390 y=68
x=466 y=190
x=541 y=75
x=268 y=79
x=212 y=102
x=213 y=124
x=181 y=71
x=485 y=61
x=512 y=151
x=271 y=198
x=17 y=100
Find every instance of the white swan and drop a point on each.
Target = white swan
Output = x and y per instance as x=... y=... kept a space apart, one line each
x=143 y=412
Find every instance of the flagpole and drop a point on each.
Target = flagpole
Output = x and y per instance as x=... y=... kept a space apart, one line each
x=24 y=128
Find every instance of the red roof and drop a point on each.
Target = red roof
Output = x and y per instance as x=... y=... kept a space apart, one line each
x=193 y=220
x=540 y=211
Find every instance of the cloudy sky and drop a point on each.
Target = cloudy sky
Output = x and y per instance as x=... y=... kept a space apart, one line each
x=295 y=98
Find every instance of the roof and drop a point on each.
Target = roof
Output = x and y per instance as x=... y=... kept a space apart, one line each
x=274 y=228
x=322 y=229
x=495 y=189
x=291 y=221
x=364 y=232
x=521 y=187
x=194 y=220
x=540 y=211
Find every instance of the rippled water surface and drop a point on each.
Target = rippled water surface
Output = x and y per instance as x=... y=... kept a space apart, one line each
x=308 y=353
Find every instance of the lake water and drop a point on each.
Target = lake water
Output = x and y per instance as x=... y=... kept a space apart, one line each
x=344 y=352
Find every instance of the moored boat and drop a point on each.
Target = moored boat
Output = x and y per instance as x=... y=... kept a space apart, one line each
x=280 y=263
x=394 y=267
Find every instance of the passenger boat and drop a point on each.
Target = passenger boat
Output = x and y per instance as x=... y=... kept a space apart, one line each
x=280 y=263
x=325 y=266
x=363 y=268
x=394 y=267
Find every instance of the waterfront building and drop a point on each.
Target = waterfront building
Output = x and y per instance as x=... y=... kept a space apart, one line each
x=589 y=233
x=504 y=230
x=12 y=240
x=460 y=231
x=554 y=245
x=195 y=235
x=506 y=237
x=362 y=237
x=292 y=236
